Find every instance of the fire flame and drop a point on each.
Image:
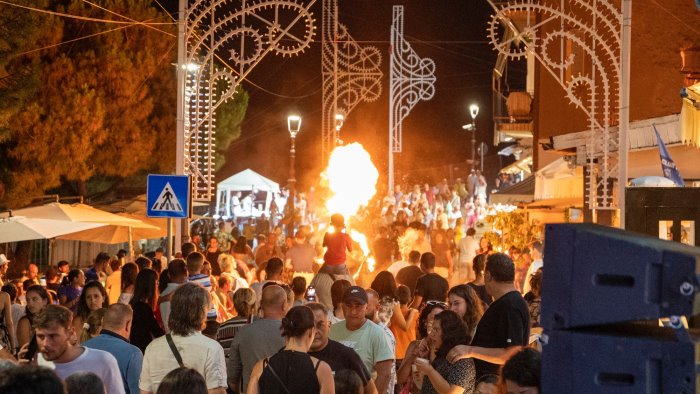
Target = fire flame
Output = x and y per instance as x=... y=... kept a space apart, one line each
x=362 y=241
x=352 y=179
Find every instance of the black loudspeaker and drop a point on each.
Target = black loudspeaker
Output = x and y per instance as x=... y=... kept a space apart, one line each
x=651 y=362
x=597 y=275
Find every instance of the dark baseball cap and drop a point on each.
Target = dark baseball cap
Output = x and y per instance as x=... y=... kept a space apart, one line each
x=355 y=293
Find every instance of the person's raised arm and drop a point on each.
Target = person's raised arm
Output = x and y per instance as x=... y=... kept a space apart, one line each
x=490 y=355
x=417 y=300
x=403 y=374
x=399 y=321
x=24 y=332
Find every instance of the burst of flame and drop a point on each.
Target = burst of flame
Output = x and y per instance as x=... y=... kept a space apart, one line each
x=352 y=179
x=362 y=241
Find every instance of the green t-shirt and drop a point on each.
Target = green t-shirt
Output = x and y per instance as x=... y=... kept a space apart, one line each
x=369 y=342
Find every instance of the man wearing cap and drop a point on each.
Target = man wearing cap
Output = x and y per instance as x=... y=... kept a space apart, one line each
x=4 y=264
x=363 y=336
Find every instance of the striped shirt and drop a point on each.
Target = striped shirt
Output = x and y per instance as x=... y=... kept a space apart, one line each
x=205 y=281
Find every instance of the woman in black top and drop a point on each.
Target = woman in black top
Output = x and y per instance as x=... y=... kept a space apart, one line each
x=479 y=264
x=292 y=370
x=144 y=326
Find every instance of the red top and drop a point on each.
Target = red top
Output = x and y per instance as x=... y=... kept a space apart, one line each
x=336 y=244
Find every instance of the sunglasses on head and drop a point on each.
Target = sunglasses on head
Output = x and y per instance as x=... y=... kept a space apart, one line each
x=438 y=303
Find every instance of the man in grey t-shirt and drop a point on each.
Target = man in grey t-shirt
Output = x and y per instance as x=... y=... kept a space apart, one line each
x=257 y=340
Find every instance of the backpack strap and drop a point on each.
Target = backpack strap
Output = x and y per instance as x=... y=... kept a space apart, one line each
x=173 y=349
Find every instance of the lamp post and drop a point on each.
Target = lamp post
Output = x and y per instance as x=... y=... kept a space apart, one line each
x=293 y=125
x=473 y=111
x=339 y=119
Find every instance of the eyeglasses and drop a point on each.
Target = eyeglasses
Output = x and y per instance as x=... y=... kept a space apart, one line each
x=441 y=304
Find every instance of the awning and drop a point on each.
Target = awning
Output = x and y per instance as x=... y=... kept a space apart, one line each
x=518 y=166
x=554 y=203
x=521 y=192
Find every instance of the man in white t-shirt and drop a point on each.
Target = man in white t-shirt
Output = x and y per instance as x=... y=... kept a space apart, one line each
x=54 y=331
x=189 y=306
x=537 y=250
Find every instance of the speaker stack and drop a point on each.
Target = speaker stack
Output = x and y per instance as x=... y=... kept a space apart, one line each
x=604 y=292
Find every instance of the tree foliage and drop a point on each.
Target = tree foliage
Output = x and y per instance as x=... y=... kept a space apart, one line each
x=229 y=118
x=102 y=107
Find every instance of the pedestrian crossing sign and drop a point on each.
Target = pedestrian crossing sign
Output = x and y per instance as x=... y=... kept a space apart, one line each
x=168 y=196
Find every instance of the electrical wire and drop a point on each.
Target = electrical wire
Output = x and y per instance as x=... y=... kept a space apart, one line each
x=165 y=10
x=127 y=18
x=84 y=18
x=692 y=28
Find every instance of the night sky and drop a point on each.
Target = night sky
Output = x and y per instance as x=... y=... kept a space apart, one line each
x=451 y=32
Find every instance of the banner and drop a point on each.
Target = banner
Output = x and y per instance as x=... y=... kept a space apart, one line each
x=668 y=167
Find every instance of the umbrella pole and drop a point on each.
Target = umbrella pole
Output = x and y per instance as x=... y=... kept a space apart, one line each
x=131 y=245
x=51 y=241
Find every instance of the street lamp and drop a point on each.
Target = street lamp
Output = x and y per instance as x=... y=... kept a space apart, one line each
x=473 y=111
x=293 y=125
x=339 y=119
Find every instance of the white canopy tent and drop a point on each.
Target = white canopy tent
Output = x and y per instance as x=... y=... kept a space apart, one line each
x=244 y=181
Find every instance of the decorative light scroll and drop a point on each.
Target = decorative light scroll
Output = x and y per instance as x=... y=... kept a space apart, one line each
x=351 y=74
x=579 y=43
x=412 y=79
x=225 y=40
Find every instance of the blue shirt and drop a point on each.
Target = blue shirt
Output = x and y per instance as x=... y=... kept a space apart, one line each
x=205 y=281
x=91 y=275
x=129 y=357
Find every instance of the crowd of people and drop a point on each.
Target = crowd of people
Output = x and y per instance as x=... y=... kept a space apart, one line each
x=441 y=313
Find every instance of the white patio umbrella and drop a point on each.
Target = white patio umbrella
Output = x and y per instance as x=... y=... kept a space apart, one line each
x=115 y=234
x=75 y=213
x=85 y=213
x=19 y=228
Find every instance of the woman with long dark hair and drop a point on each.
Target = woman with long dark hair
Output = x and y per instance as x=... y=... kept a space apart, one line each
x=37 y=299
x=292 y=370
x=93 y=297
x=144 y=327
x=467 y=305
x=420 y=347
x=385 y=284
x=439 y=375
x=478 y=284
x=129 y=272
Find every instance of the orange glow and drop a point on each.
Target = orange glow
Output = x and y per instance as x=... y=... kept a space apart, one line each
x=352 y=179
x=362 y=241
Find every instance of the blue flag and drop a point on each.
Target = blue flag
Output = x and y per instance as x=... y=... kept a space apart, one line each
x=667 y=165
